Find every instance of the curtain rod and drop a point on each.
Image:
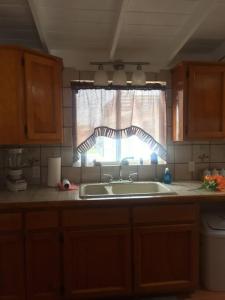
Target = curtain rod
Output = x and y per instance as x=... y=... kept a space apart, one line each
x=81 y=85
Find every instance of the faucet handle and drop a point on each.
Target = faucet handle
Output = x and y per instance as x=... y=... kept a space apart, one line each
x=133 y=176
x=109 y=177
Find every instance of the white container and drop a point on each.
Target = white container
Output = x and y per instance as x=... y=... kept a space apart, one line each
x=213 y=252
x=222 y=172
x=206 y=172
x=215 y=172
x=54 y=171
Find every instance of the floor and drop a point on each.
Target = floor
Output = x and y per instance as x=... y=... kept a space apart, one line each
x=205 y=295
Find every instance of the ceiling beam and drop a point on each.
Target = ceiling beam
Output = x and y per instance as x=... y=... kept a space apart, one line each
x=38 y=24
x=202 y=10
x=118 y=27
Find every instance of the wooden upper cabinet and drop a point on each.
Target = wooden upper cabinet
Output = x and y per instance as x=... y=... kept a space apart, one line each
x=43 y=98
x=198 y=93
x=31 y=97
x=11 y=105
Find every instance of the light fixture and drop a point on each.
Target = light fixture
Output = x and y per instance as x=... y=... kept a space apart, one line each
x=119 y=75
x=139 y=77
x=101 y=77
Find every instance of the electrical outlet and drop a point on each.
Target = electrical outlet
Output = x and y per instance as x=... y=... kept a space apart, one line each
x=36 y=171
x=191 y=166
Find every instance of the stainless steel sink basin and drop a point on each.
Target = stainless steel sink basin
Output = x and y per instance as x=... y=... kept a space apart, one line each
x=98 y=190
x=93 y=190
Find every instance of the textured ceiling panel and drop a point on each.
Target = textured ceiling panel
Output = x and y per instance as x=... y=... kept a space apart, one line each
x=17 y=25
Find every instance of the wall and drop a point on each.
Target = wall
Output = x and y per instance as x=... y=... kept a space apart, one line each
x=205 y=154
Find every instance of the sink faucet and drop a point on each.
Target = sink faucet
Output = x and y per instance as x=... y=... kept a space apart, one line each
x=124 y=161
x=133 y=176
x=108 y=177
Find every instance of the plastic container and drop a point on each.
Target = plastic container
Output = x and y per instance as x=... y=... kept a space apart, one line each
x=212 y=251
x=154 y=158
x=215 y=172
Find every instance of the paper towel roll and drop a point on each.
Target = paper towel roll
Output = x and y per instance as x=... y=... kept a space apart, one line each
x=54 y=171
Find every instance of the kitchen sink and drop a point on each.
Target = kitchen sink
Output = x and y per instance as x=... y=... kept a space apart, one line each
x=124 y=188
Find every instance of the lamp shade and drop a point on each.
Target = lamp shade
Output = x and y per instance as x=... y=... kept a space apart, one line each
x=139 y=77
x=119 y=77
x=101 y=77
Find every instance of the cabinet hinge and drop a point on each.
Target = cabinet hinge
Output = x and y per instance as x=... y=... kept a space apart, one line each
x=62 y=290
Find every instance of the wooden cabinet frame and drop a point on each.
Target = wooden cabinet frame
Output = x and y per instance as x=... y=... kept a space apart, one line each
x=72 y=250
x=31 y=97
x=198 y=95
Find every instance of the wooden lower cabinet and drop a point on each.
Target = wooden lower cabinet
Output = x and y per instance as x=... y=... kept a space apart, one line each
x=97 y=263
x=11 y=267
x=104 y=252
x=165 y=258
x=43 y=265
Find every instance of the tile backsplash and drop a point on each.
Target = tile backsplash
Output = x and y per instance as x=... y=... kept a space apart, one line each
x=205 y=154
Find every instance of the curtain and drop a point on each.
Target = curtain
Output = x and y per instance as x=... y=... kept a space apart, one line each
x=119 y=114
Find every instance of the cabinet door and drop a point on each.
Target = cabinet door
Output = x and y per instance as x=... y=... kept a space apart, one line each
x=43 y=98
x=11 y=267
x=179 y=105
x=206 y=102
x=165 y=258
x=11 y=96
x=43 y=265
x=97 y=263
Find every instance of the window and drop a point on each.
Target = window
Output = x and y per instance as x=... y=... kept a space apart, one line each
x=110 y=151
x=115 y=124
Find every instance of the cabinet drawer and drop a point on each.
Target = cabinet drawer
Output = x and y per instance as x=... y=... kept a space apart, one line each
x=95 y=216
x=42 y=219
x=186 y=213
x=11 y=221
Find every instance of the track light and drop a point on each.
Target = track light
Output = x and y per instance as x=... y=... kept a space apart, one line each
x=101 y=77
x=119 y=75
x=139 y=77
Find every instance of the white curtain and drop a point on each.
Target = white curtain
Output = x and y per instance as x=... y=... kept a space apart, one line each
x=121 y=113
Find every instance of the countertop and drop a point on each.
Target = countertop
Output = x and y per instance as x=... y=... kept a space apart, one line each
x=36 y=196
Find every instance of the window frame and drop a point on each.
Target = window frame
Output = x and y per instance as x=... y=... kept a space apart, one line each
x=76 y=85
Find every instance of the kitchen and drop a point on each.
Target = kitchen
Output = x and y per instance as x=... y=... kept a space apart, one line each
x=71 y=35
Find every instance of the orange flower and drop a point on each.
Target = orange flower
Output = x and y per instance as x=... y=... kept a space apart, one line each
x=214 y=182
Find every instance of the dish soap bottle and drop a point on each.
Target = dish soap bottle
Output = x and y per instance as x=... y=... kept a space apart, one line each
x=167 y=178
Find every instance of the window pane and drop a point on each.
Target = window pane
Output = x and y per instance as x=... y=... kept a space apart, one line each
x=104 y=150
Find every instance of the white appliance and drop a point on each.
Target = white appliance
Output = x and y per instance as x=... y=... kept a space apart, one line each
x=213 y=251
x=15 y=179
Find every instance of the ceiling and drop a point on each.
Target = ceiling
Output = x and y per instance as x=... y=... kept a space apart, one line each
x=17 y=25
x=160 y=32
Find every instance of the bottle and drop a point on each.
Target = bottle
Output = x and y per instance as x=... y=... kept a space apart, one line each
x=154 y=158
x=167 y=178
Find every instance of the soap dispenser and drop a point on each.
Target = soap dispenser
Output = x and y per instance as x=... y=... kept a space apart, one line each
x=167 y=178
